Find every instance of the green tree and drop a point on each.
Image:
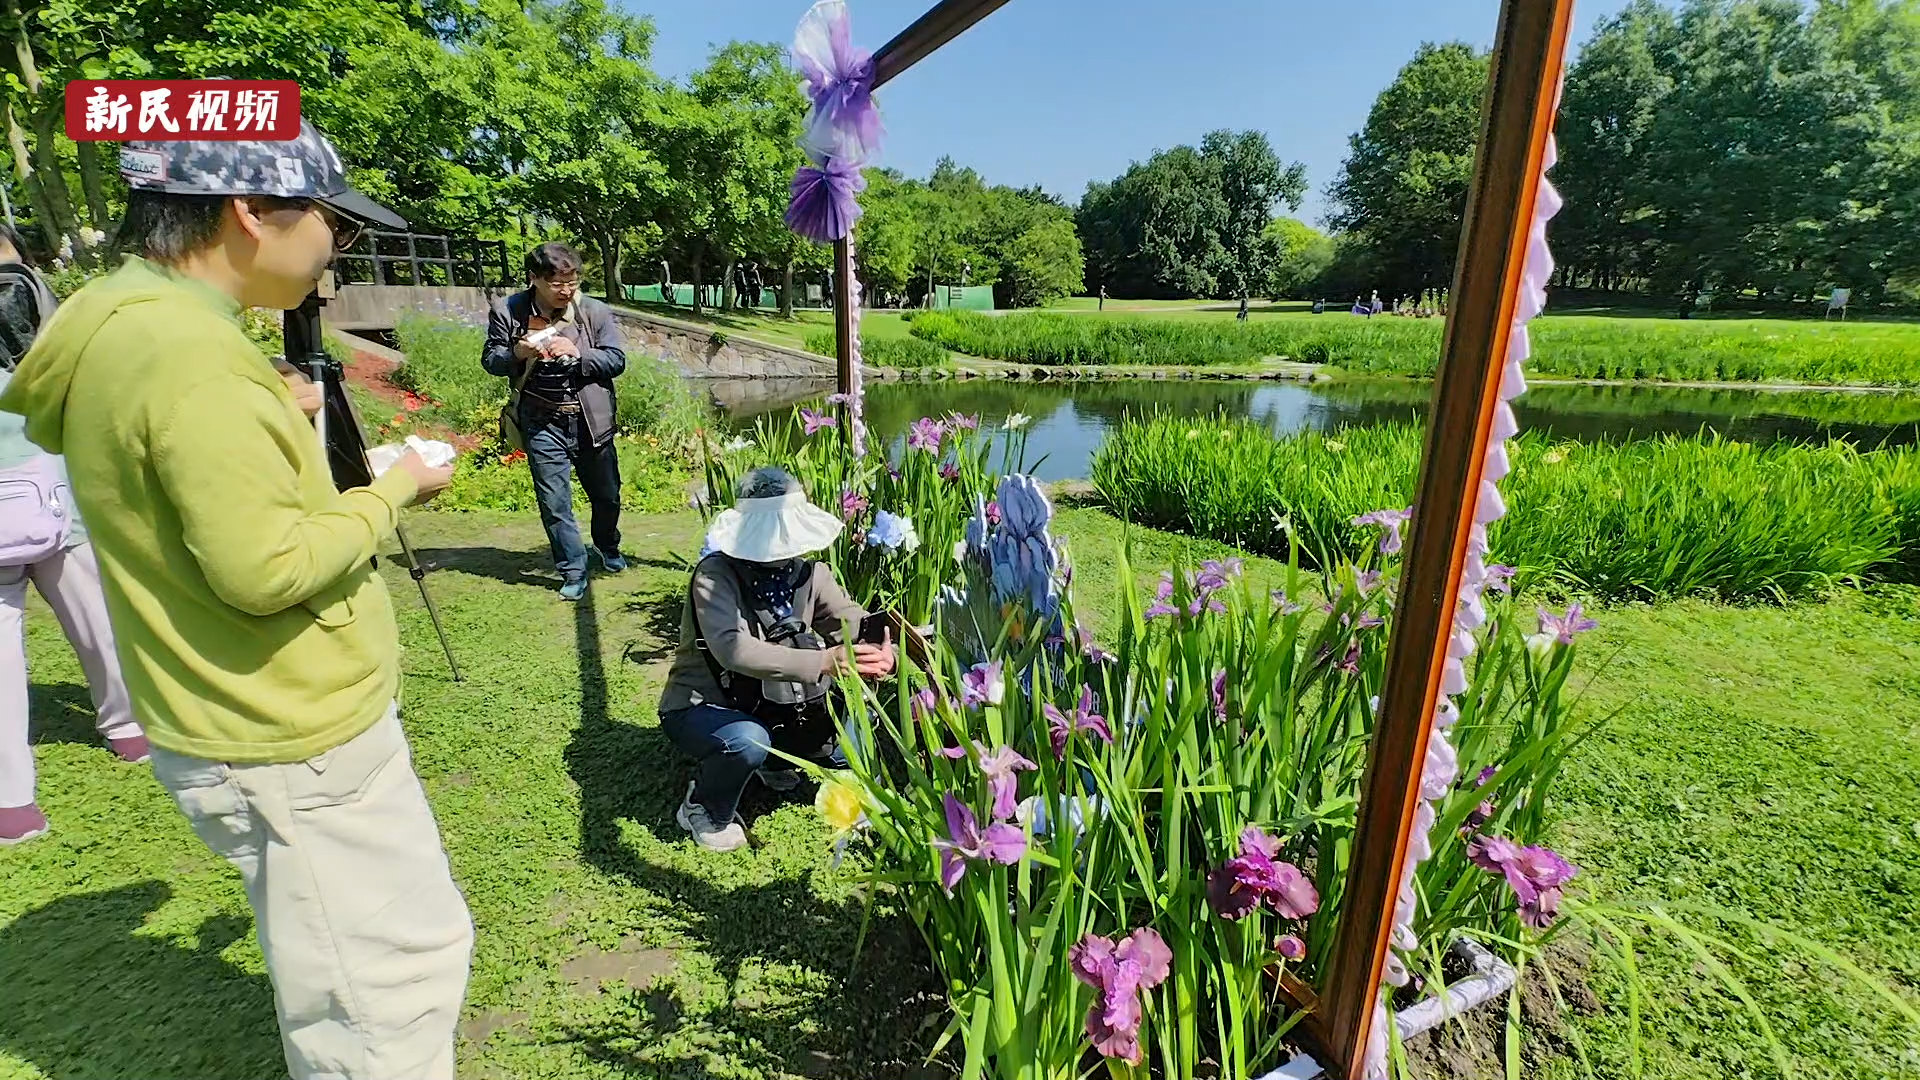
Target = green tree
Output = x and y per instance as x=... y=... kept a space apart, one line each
x=1403 y=189
x=583 y=71
x=955 y=228
x=1044 y=265
x=1252 y=183
x=1612 y=94
x=55 y=41
x=1189 y=222
x=1297 y=256
x=1155 y=230
x=756 y=103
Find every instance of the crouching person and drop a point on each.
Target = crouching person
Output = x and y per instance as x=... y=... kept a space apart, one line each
x=762 y=639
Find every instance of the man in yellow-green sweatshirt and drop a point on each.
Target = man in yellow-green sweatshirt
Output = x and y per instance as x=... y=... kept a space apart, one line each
x=255 y=636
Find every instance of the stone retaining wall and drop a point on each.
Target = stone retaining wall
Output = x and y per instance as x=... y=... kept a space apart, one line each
x=702 y=352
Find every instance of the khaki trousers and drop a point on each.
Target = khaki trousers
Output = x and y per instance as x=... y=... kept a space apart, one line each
x=366 y=937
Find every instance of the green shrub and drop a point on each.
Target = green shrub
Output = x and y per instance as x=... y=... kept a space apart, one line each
x=443 y=366
x=884 y=352
x=653 y=480
x=1649 y=518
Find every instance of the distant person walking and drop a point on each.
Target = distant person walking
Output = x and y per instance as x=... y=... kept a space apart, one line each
x=1376 y=307
x=1319 y=307
x=666 y=282
x=1360 y=308
x=1103 y=298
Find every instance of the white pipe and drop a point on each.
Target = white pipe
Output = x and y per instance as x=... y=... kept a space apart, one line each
x=1299 y=1067
x=1489 y=978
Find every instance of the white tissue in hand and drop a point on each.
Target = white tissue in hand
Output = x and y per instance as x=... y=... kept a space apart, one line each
x=434 y=453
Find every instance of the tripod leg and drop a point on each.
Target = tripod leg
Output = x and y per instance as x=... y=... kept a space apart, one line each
x=419 y=576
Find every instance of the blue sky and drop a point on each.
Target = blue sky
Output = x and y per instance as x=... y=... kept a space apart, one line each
x=1060 y=92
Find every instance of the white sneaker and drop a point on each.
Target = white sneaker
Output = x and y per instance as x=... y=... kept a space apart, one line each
x=694 y=818
x=781 y=780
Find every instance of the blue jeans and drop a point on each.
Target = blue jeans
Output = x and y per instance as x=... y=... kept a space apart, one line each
x=557 y=444
x=728 y=745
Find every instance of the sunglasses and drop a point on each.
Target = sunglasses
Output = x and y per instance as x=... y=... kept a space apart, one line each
x=346 y=230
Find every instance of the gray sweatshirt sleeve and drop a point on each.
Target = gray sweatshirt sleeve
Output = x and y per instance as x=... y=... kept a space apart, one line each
x=723 y=622
x=832 y=607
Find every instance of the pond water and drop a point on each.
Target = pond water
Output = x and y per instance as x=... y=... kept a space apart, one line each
x=1072 y=419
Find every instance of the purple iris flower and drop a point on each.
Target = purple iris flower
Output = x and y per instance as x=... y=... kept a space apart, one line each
x=813 y=421
x=1500 y=578
x=1119 y=973
x=966 y=840
x=1536 y=875
x=1350 y=663
x=926 y=435
x=1000 y=766
x=1255 y=876
x=1062 y=725
x=963 y=422
x=853 y=504
x=983 y=684
x=1367 y=581
x=839 y=399
x=949 y=473
x=1220 y=695
x=1291 y=947
x=922 y=703
x=1391 y=521
x=1286 y=606
x=1564 y=627
x=1162 y=593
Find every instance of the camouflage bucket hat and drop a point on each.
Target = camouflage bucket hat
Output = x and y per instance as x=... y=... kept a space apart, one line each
x=302 y=168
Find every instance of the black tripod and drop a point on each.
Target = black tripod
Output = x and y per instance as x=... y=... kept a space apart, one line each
x=340 y=432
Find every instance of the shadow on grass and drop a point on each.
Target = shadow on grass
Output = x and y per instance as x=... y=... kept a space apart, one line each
x=88 y=995
x=62 y=713
x=529 y=568
x=879 y=1016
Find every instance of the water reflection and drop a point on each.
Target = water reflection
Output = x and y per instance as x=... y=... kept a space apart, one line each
x=1072 y=419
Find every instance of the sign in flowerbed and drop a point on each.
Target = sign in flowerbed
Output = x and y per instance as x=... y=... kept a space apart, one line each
x=1127 y=856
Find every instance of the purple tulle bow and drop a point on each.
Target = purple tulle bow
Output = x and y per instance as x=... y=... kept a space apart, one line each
x=825 y=201
x=844 y=124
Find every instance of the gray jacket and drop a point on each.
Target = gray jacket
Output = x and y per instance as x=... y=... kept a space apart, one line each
x=602 y=358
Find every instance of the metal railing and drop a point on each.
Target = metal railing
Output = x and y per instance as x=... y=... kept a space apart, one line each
x=380 y=257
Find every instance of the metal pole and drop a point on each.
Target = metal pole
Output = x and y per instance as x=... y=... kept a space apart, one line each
x=1522 y=88
x=944 y=22
x=843 y=324
x=343 y=443
x=419 y=576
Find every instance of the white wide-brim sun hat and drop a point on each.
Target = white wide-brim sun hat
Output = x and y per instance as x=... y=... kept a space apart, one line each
x=773 y=530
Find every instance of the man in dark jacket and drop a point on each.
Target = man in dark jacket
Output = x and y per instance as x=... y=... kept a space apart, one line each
x=562 y=351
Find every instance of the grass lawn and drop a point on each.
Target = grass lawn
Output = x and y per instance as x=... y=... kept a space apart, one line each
x=1765 y=758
